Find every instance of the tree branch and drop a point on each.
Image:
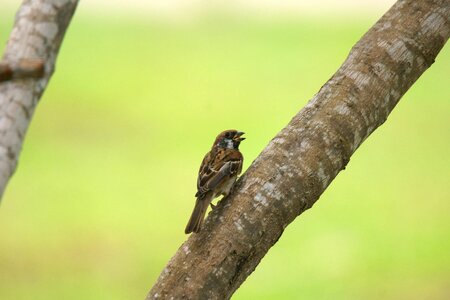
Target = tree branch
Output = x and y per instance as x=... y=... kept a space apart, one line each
x=300 y=162
x=22 y=69
x=27 y=65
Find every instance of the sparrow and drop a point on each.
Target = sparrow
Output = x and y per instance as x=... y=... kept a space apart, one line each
x=218 y=173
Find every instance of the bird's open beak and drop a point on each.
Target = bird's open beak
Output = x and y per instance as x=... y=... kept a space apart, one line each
x=238 y=135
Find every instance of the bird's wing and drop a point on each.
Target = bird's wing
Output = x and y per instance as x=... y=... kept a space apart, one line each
x=217 y=166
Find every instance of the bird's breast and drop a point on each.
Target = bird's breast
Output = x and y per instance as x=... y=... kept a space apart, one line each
x=225 y=187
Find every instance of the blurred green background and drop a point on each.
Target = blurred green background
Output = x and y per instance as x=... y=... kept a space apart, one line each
x=106 y=178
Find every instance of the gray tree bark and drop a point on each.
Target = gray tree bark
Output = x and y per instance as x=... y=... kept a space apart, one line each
x=300 y=162
x=27 y=65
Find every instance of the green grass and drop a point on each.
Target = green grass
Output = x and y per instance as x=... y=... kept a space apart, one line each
x=107 y=174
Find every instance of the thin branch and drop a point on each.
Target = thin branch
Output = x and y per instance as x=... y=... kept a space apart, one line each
x=28 y=63
x=26 y=68
x=301 y=161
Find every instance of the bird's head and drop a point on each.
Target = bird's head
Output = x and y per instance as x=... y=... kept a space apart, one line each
x=229 y=139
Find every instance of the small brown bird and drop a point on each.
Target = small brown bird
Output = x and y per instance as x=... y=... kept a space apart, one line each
x=217 y=175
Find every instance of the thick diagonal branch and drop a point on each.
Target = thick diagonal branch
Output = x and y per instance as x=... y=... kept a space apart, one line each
x=301 y=161
x=27 y=65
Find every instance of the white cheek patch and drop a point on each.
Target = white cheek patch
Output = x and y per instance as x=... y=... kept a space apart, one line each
x=230 y=144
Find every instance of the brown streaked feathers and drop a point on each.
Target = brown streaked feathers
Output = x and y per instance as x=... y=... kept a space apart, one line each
x=217 y=175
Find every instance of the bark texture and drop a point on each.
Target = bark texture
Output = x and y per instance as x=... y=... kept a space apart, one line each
x=300 y=162
x=27 y=65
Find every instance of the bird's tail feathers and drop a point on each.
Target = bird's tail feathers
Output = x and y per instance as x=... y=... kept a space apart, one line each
x=198 y=214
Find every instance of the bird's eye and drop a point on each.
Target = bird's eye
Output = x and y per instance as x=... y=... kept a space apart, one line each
x=228 y=135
